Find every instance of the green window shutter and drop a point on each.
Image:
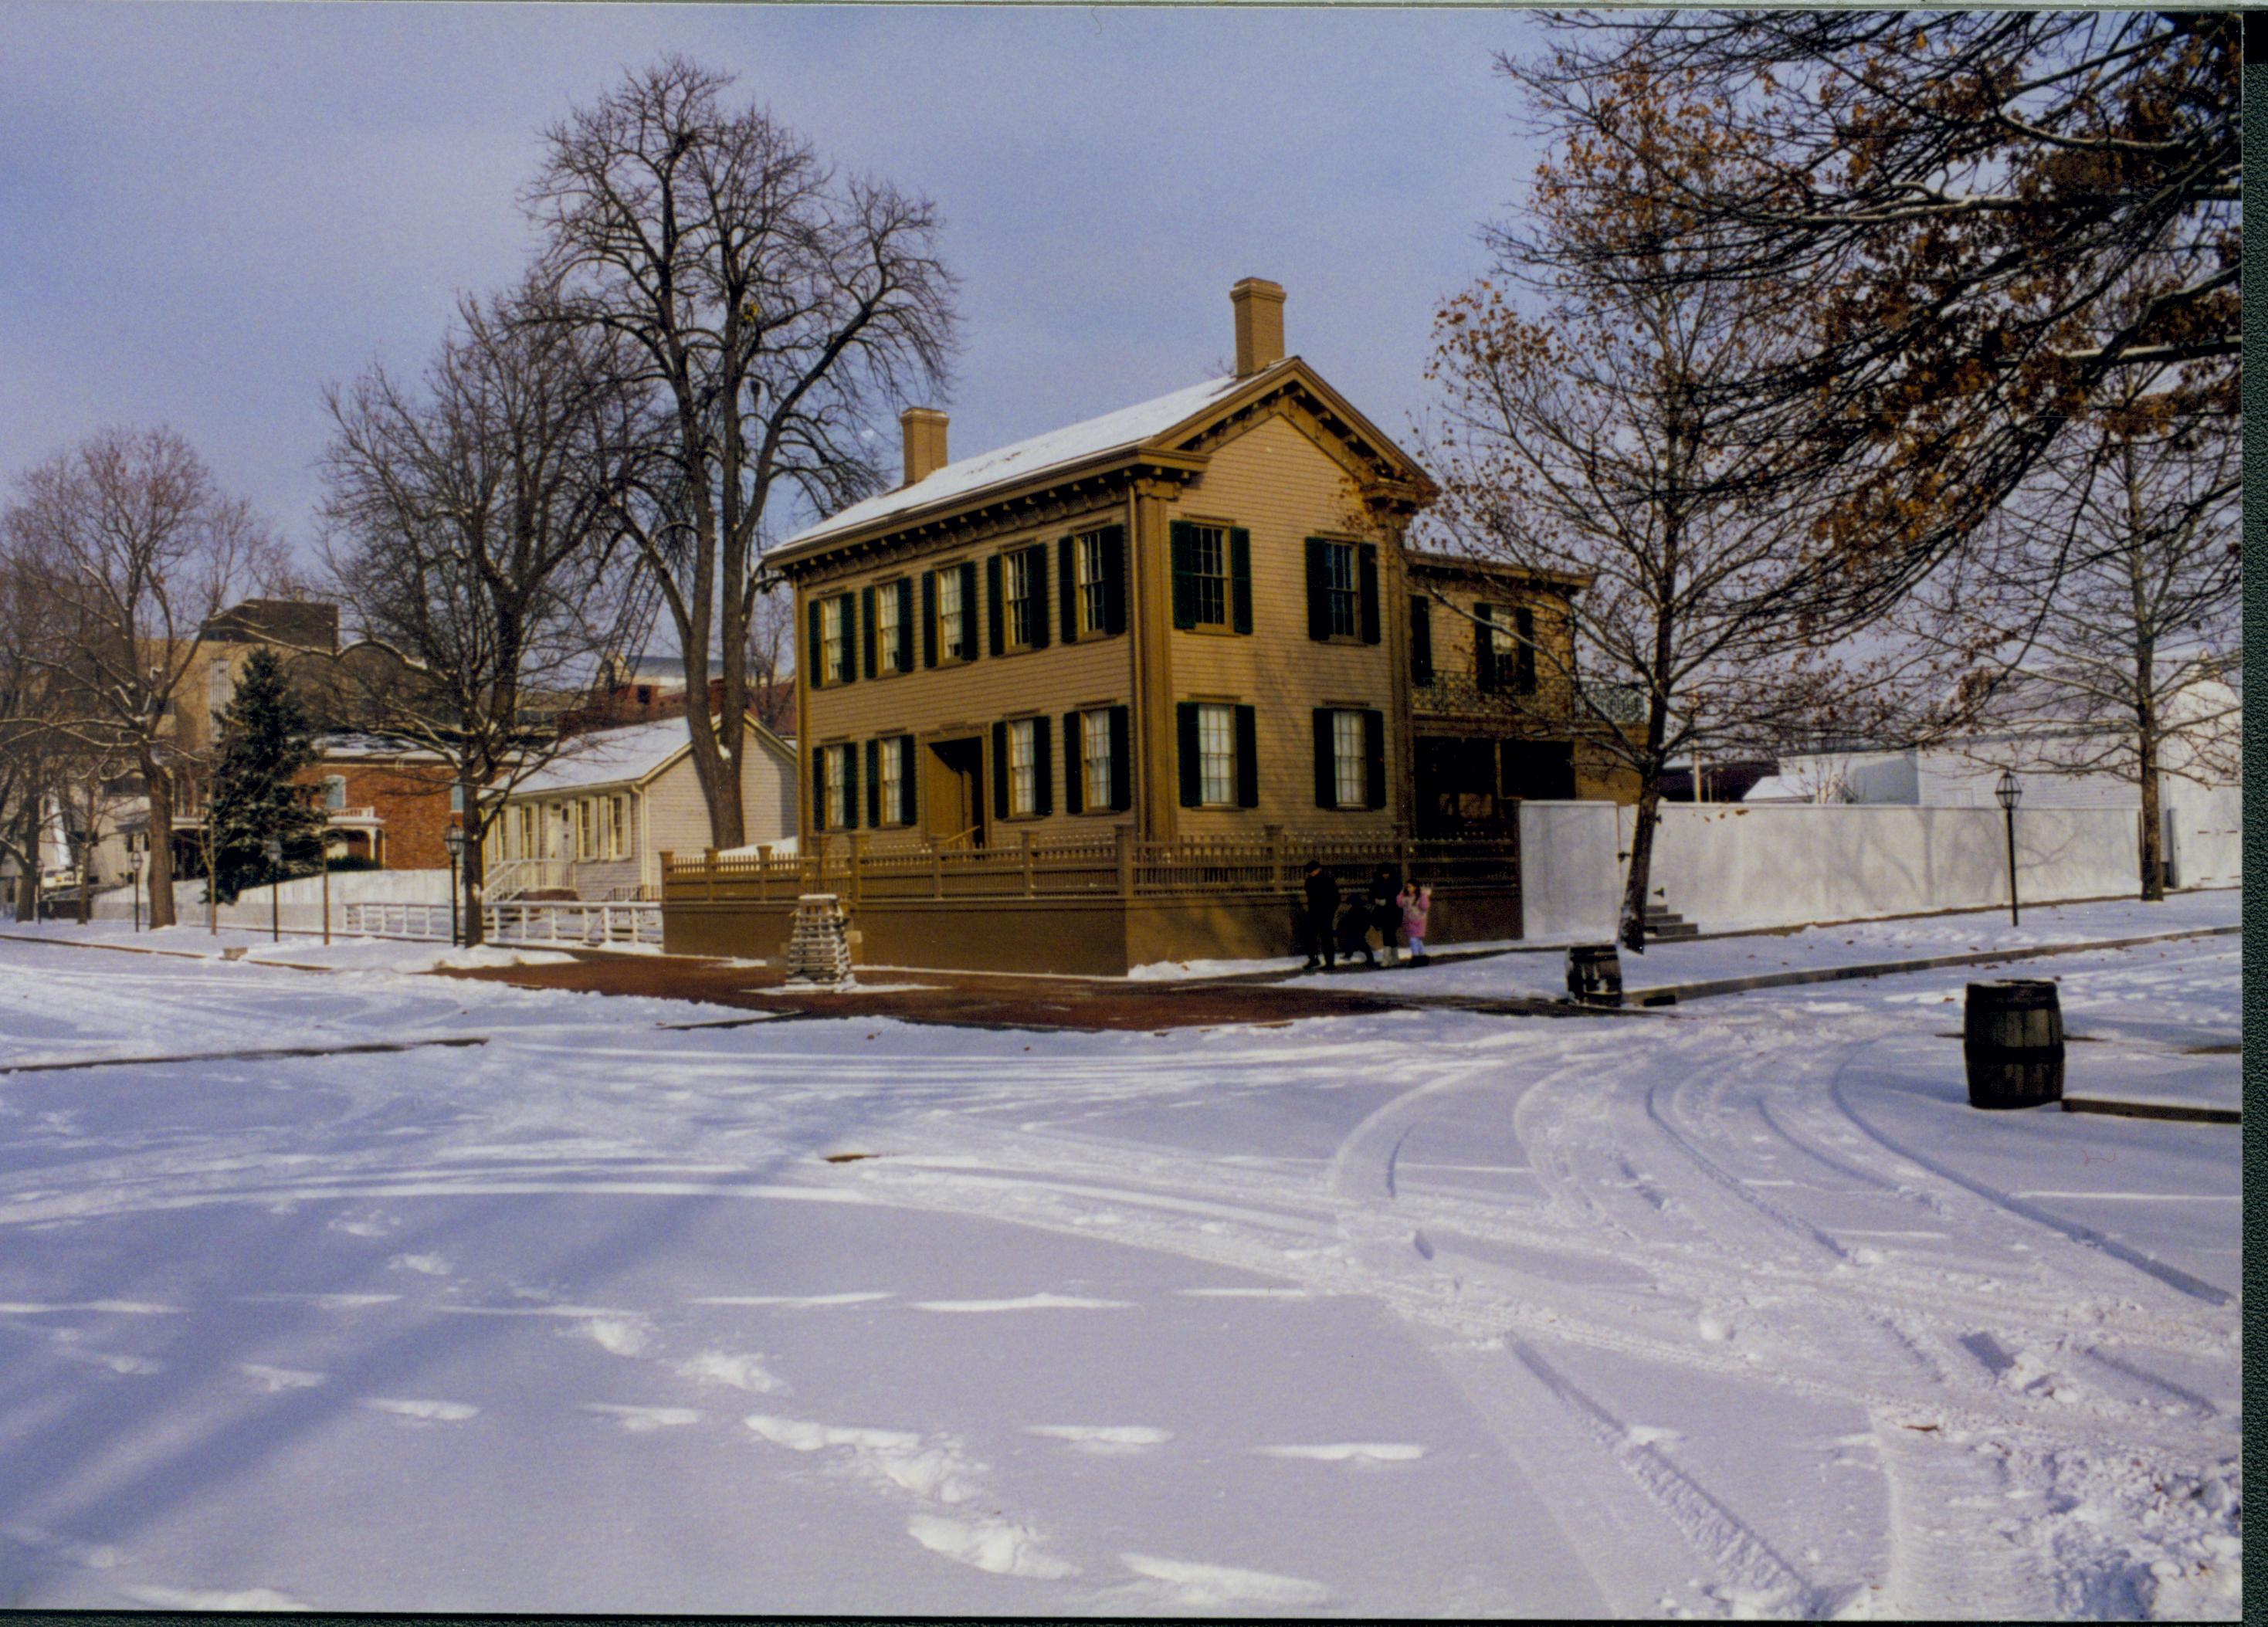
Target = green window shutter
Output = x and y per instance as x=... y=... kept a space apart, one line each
x=819 y=788
x=810 y=644
x=874 y=783
x=1366 y=575
x=929 y=618
x=1373 y=760
x=905 y=588
x=849 y=670
x=1185 y=730
x=866 y=629
x=1114 y=579
x=1038 y=579
x=993 y=617
x=1421 y=640
x=1185 y=575
x=850 y=788
x=1122 y=763
x=999 y=770
x=1074 y=766
x=1043 y=761
x=1319 y=589
x=909 y=799
x=1067 y=574
x=1483 y=657
x=967 y=650
x=1523 y=658
x=1247 y=758
x=1240 y=579
x=1327 y=767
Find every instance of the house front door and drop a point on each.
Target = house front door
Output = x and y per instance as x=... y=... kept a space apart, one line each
x=955 y=803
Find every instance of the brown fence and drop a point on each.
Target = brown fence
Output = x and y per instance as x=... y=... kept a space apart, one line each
x=1121 y=867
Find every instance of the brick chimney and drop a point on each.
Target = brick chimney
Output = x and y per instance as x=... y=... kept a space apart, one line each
x=1259 y=324
x=924 y=432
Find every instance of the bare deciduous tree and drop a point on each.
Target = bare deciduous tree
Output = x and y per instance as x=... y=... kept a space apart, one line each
x=772 y=305
x=471 y=524
x=131 y=550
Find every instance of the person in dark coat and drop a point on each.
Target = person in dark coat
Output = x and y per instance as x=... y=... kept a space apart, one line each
x=1383 y=912
x=1323 y=891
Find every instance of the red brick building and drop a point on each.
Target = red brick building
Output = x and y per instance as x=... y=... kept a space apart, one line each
x=385 y=800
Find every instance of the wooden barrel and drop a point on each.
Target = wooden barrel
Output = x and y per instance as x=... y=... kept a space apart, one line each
x=2012 y=1039
x=1594 y=975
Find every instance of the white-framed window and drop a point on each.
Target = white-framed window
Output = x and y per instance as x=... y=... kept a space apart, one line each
x=831 y=650
x=1217 y=755
x=949 y=613
x=1094 y=756
x=583 y=829
x=335 y=792
x=1342 y=590
x=1209 y=570
x=618 y=827
x=1094 y=590
x=531 y=845
x=890 y=777
x=1023 y=768
x=885 y=627
x=1016 y=583
x=1349 y=761
x=839 y=770
x=219 y=687
x=457 y=797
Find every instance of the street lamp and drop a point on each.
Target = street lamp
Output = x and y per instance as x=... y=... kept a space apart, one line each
x=2009 y=794
x=274 y=849
x=80 y=841
x=454 y=839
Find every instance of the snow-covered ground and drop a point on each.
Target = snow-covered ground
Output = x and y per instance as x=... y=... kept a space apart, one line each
x=1729 y=1308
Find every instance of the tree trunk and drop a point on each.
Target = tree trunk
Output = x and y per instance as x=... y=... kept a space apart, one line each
x=159 y=785
x=719 y=774
x=1631 y=931
x=474 y=875
x=27 y=893
x=2153 y=823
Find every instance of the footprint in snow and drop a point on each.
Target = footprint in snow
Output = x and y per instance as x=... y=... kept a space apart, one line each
x=798 y=1302
x=130 y=1366
x=1350 y=1452
x=423 y=1411
x=643 y=1420
x=274 y=1381
x=427 y=1264
x=1102 y=1440
x=1209 y=1587
x=1030 y=1302
x=615 y=1334
x=742 y=1372
x=993 y=1545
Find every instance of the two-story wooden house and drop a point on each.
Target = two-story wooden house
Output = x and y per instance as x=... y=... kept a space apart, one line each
x=1182 y=632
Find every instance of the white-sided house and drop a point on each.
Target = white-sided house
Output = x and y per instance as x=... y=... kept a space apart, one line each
x=593 y=822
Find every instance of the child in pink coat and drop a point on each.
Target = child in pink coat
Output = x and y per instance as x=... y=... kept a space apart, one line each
x=1416 y=904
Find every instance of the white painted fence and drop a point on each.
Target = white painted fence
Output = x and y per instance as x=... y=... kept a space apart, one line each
x=1726 y=867
x=588 y=924
x=299 y=903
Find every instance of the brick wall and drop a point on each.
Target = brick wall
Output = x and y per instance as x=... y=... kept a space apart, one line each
x=411 y=798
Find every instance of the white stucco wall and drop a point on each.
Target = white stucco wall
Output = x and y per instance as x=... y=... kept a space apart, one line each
x=1570 y=871
x=300 y=901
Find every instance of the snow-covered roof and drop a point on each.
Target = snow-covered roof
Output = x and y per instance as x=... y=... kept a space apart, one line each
x=1128 y=426
x=357 y=744
x=609 y=757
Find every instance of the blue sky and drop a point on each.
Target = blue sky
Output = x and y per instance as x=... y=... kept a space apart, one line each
x=207 y=212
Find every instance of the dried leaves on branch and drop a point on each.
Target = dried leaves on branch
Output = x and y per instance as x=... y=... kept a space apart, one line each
x=1962 y=201
x=772 y=306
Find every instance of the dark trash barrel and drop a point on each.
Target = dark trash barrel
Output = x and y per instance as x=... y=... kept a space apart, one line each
x=2012 y=1038
x=1594 y=975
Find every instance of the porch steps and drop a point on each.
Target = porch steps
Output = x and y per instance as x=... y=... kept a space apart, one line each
x=1667 y=926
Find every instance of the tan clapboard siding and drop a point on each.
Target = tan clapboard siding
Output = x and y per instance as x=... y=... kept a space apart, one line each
x=768 y=791
x=677 y=815
x=1278 y=484
x=973 y=695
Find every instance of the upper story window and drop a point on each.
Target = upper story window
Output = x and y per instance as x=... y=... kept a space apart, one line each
x=1093 y=565
x=1023 y=604
x=335 y=792
x=1342 y=597
x=889 y=622
x=219 y=687
x=834 y=637
x=1208 y=575
x=952 y=616
x=1505 y=647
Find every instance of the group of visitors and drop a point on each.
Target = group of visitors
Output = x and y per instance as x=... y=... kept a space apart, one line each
x=1390 y=906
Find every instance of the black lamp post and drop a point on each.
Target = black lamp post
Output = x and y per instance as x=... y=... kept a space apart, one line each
x=2009 y=794
x=82 y=841
x=454 y=838
x=274 y=848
